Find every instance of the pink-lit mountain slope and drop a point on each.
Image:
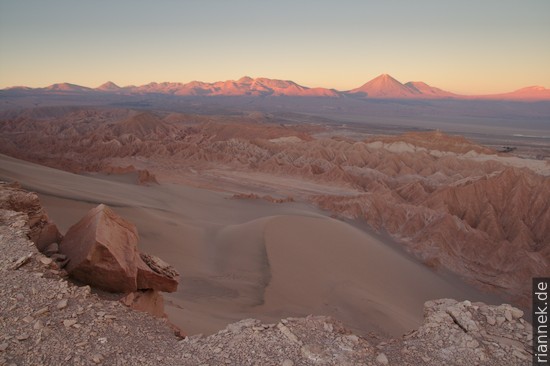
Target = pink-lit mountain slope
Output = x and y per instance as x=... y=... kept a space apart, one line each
x=386 y=87
x=381 y=87
x=429 y=91
x=109 y=87
x=66 y=87
x=243 y=86
x=526 y=94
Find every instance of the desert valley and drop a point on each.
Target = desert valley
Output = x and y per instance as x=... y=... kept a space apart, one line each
x=273 y=200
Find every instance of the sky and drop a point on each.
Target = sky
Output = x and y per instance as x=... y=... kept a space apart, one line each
x=464 y=46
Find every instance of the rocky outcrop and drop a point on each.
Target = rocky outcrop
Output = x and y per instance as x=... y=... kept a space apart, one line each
x=43 y=232
x=145 y=177
x=142 y=176
x=453 y=333
x=154 y=273
x=268 y=198
x=47 y=320
x=102 y=251
x=148 y=301
x=465 y=333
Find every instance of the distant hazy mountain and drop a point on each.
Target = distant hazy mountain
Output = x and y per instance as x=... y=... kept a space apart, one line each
x=528 y=93
x=386 y=87
x=243 y=86
x=108 y=87
x=67 y=87
x=429 y=91
x=381 y=87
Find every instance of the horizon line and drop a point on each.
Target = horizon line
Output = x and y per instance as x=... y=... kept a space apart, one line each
x=467 y=94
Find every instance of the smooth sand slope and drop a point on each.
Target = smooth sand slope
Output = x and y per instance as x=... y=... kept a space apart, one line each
x=253 y=258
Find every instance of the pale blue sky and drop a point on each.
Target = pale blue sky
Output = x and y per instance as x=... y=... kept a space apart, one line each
x=463 y=46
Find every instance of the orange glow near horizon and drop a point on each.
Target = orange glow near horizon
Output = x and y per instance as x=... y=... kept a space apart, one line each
x=466 y=47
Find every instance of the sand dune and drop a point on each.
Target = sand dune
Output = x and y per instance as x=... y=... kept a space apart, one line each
x=253 y=258
x=330 y=267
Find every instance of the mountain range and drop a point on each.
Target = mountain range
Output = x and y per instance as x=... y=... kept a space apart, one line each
x=381 y=87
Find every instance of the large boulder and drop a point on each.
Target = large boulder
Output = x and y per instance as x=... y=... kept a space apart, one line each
x=102 y=252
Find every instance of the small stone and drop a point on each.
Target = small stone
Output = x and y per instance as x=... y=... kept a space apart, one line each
x=508 y=315
x=22 y=261
x=22 y=337
x=28 y=319
x=472 y=344
x=352 y=338
x=481 y=356
x=62 y=304
x=328 y=327
x=51 y=249
x=58 y=257
x=314 y=352
x=42 y=311
x=69 y=322
x=38 y=325
x=500 y=320
x=382 y=359
x=3 y=346
x=491 y=320
x=46 y=261
x=97 y=358
x=520 y=355
x=81 y=344
x=426 y=359
x=516 y=313
x=287 y=362
x=217 y=350
x=291 y=336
